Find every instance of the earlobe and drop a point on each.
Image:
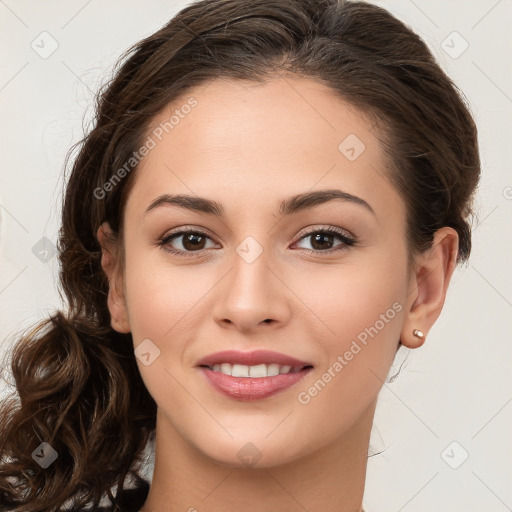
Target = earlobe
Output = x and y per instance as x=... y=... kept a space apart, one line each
x=110 y=264
x=428 y=287
x=117 y=308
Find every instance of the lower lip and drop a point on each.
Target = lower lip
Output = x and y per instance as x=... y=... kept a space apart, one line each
x=247 y=388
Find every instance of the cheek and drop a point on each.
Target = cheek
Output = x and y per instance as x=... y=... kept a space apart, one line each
x=360 y=310
x=348 y=299
x=161 y=298
x=164 y=302
x=346 y=386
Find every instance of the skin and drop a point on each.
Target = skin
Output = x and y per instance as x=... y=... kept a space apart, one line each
x=248 y=146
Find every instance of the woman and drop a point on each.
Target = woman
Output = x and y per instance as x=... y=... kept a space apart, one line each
x=272 y=201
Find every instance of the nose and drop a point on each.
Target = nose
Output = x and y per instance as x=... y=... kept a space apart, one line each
x=252 y=296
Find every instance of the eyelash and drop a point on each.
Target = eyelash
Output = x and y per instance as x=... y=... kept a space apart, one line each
x=346 y=240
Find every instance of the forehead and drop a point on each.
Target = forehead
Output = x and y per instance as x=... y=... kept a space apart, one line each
x=262 y=141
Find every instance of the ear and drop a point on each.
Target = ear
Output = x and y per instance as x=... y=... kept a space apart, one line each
x=429 y=282
x=112 y=268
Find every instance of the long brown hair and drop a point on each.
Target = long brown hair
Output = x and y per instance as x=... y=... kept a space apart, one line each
x=77 y=384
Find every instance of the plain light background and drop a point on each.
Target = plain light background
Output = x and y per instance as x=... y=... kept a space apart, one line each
x=452 y=399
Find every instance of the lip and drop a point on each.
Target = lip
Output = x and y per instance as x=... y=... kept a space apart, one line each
x=252 y=358
x=251 y=388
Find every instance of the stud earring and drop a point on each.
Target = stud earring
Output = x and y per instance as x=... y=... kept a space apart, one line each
x=418 y=334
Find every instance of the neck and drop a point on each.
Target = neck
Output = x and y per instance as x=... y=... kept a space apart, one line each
x=331 y=479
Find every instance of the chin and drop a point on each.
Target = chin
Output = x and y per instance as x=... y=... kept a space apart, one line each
x=249 y=456
x=258 y=451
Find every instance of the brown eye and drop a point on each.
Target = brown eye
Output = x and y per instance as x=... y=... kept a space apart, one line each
x=324 y=240
x=321 y=241
x=185 y=242
x=193 y=241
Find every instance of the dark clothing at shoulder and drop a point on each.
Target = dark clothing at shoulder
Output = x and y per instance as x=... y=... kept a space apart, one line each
x=131 y=500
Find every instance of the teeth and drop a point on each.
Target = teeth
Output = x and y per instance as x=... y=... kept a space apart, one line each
x=284 y=369
x=272 y=370
x=258 y=371
x=240 y=370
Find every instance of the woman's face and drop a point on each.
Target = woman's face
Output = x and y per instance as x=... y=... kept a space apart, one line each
x=264 y=276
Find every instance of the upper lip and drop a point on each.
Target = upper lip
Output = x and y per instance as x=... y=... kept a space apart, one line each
x=253 y=358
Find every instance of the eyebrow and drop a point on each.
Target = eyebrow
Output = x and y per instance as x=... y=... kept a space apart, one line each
x=288 y=206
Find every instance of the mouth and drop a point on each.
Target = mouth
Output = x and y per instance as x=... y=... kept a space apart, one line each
x=259 y=371
x=253 y=375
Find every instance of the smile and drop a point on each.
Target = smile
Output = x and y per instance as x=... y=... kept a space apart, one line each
x=255 y=375
x=258 y=371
